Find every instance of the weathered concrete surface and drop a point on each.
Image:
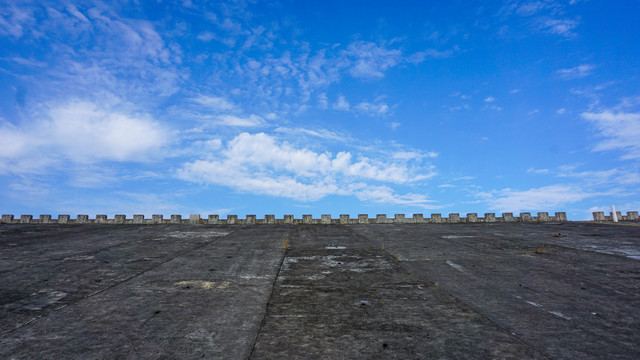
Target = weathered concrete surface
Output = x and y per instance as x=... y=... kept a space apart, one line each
x=358 y=291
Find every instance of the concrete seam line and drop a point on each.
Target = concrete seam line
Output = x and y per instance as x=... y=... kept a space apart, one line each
x=477 y=311
x=287 y=239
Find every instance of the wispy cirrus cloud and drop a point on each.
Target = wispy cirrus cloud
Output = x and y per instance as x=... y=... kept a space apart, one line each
x=620 y=131
x=577 y=72
x=535 y=199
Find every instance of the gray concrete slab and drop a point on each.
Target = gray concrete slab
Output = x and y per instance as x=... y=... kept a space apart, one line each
x=316 y=291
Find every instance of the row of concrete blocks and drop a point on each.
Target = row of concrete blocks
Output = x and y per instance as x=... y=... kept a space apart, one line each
x=631 y=216
x=288 y=219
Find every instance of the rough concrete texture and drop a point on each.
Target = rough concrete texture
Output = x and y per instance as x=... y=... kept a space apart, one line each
x=486 y=290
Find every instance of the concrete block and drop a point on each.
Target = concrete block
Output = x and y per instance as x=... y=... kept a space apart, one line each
x=138 y=219
x=213 y=219
x=344 y=219
x=399 y=219
x=618 y=214
x=489 y=217
x=120 y=219
x=194 y=218
x=269 y=219
x=101 y=219
x=325 y=219
x=63 y=219
x=7 y=219
x=633 y=215
x=472 y=217
x=454 y=218
x=82 y=219
x=381 y=218
x=307 y=219
x=508 y=217
x=157 y=219
x=598 y=216
x=25 y=219
x=363 y=218
x=436 y=218
x=561 y=216
x=418 y=218
x=176 y=219
x=251 y=219
x=45 y=219
x=288 y=219
x=543 y=216
x=525 y=217
x=232 y=219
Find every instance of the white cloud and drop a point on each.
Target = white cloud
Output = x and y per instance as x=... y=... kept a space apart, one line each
x=420 y=56
x=577 y=72
x=538 y=171
x=373 y=109
x=489 y=99
x=341 y=104
x=247 y=121
x=536 y=199
x=320 y=133
x=564 y=27
x=369 y=60
x=214 y=103
x=82 y=132
x=258 y=163
x=620 y=130
x=561 y=111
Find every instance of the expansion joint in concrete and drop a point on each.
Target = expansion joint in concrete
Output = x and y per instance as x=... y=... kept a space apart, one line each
x=286 y=243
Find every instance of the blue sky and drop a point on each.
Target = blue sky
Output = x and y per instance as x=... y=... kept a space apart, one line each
x=331 y=107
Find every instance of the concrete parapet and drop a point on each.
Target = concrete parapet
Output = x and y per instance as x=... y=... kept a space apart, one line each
x=543 y=216
x=508 y=217
x=7 y=219
x=381 y=218
x=326 y=219
x=525 y=217
x=454 y=218
x=561 y=216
